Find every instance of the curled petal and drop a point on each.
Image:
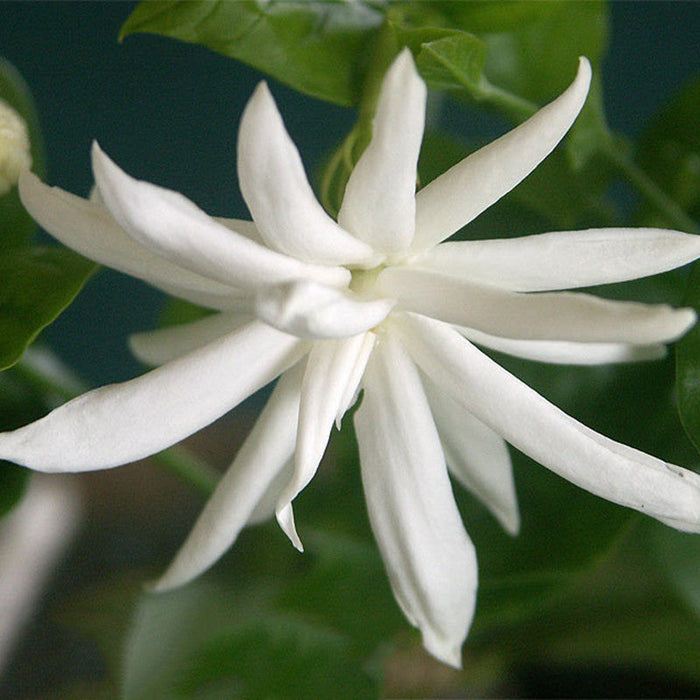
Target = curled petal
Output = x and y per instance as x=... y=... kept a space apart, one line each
x=257 y=466
x=280 y=199
x=460 y=194
x=167 y=344
x=379 y=202
x=563 y=352
x=428 y=556
x=477 y=456
x=564 y=259
x=121 y=423
x=602 y=466
x=88 y=228
x=328 y=369
x=567 y=316
x=172 y=226
x=311 y=310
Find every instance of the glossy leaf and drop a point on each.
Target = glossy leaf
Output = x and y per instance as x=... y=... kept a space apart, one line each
x=36 y=284
x=316 y=48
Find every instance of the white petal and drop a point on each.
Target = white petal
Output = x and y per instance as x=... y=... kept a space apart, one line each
x=564 y=259
x=562 y=352
x=166 y=344
x=429 y=558
x=328 y=369
x=311 y=310
x=533 y=425
x=244 y=227
x=464 y=191
x=171 y=225
x=542 y=316
x=352 y=388
x=280 y=199
x=121 y=423
x=88 y=228
x=258 y=463
x=477 y=456
x=379 y=202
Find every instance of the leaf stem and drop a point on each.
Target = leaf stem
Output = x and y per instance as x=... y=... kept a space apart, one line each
x=42 y=370
x=671 y=210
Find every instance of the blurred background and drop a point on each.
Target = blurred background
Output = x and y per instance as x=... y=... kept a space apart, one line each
x=168 y=112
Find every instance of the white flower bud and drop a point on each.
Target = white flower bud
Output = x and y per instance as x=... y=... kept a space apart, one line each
x=14 y=147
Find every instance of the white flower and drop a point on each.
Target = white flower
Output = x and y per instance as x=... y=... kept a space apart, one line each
x=375 y=302
x=14 y=147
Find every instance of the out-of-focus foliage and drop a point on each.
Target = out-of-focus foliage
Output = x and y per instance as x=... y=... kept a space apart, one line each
x=584 y=582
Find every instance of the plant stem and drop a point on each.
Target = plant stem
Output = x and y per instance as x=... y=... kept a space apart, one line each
x=651 y=191
x=44 y=372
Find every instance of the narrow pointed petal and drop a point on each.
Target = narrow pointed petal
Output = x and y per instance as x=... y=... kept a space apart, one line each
x=379 y=202
x=172 y=226
x=477 y=456
x=429 y=558
x=121 y=423
x=564 y=259
x=167 y=344
x=311 y=310
x=278 y=194
x=89 y=229
x=570 y=316
x=258 y=463
x=328 y=369
x=602 y=466
x=562 y=352
x=243 y=227
x=464 y=191
x=352 y=389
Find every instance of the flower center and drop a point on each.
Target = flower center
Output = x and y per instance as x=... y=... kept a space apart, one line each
x=362 y=281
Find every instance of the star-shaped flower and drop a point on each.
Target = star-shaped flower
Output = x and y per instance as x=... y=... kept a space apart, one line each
x=373 y=303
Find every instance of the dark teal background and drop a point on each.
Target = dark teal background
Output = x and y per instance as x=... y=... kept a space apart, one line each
x=168 y=112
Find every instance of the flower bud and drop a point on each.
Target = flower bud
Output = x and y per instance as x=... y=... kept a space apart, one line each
x=14 y=147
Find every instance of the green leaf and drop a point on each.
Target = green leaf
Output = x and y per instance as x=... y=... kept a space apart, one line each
x=679 y=554
x=670 y=153
x=13 y=483
x=453 y=62
x=204 y=641
x=535 y=55
x=688 y=366
x=36 y=284
x=318 y=48
x=278 y=656
x=16 y=226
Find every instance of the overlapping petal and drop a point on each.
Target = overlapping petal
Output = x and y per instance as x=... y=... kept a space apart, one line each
x=167 y=344
x=121 y=423
x=563 y=259
x=563 y=352
x=379 y=202
x=567 y=316
x=477 y=456
x=525 y=419
x=460 y=194
x=278 y=194
x=169 y=224
x=329 y=368
x=311 y=310
x=257 y=466
x=429 y=558
x=88 y=228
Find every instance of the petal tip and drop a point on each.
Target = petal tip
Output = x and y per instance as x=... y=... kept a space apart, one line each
x=285 y=519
